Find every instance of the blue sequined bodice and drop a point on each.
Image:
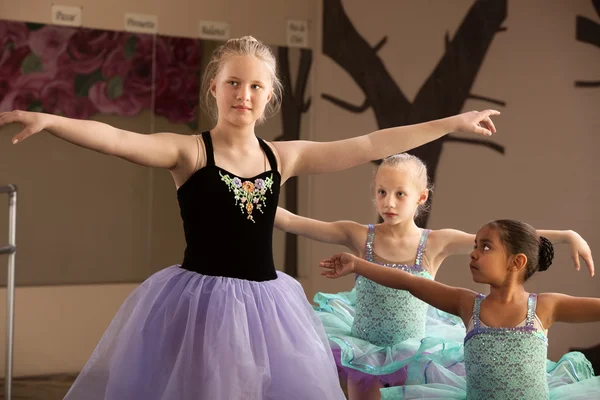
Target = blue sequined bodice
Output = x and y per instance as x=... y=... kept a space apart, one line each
x=386 y=316
x=506 y=363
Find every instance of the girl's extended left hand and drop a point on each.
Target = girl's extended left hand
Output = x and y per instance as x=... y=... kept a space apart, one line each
x=580 y=248
x=338 y=265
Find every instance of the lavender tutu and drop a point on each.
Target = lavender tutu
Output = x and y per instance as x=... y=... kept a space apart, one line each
x=182 y=335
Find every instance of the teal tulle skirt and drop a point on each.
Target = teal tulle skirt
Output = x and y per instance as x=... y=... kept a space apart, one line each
x=366 y=363
x=572 y=378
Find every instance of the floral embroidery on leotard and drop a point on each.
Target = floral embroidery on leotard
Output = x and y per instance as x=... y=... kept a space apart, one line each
x=249 y=195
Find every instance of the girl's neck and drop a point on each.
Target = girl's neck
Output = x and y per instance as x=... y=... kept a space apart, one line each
x=399 y=230
x=233 y=135
x=508 y=293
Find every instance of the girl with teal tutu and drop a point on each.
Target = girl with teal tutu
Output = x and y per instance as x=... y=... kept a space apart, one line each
x=506 y=343
x=376 y=332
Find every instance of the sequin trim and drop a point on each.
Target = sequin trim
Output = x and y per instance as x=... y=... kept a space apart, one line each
x=417 y=267
x=529 y=327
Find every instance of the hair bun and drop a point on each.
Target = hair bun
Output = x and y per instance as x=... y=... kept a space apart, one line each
x=546 y=254
x=247 y=38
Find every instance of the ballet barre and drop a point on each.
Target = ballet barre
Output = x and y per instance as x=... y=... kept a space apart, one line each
x=10 y=249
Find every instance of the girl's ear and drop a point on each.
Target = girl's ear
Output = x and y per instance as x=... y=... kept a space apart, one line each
x=518 y=262
x=423 y=197
x=213 y=87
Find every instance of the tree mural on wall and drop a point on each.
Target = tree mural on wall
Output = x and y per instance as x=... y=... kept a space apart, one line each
x=292 y=107
x=444 y=92
x=588 y=31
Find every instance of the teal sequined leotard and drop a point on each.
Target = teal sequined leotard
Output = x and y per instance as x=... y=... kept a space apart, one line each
x=376 y=331
x=385 y=316
x=506 y=363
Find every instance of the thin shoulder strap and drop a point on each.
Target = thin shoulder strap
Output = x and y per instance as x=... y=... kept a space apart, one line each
x=269 y=152
x=531 y=306
x=476 y=310
x=210 y=156
x=198 y=149
x=369 y=243
x=422 y=247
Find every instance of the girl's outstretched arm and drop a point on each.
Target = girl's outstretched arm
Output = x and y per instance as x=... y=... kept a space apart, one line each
x=305 y=157
x=345 y=233
x=161 y=150
x=578 y=246
x=453 y=300
x=455 y=242
x=563 y=308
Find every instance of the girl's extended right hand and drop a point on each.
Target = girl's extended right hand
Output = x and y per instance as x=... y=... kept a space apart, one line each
x=32 y=123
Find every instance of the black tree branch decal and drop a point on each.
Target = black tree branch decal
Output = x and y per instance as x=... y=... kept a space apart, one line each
x=443 y=94
x=292 y=107
x=588 y=31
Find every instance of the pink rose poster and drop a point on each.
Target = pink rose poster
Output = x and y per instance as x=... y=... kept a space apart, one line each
x=79 y=72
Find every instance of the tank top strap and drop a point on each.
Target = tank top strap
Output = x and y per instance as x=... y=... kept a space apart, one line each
x=210 y=156
x=422 y=247
x=369 y=243
x=269 y=153
x=531 y=306
x=477 y=310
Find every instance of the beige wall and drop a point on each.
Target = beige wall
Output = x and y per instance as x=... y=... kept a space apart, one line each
x=546 y=178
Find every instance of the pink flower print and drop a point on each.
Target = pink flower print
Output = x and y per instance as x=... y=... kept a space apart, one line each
x=177 y=79
x=26 y=91
x=179 y=101
x=109 y=103
x=15 y=33
x=115 y=63
x=243 y=199
x=138 y=82
x=50 y=41
x=88 y=48
x=131 y=65
x=10 y=69
x=186 y=52
x=58 y=97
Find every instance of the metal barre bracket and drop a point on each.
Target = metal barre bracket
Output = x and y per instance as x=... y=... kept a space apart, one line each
x=8 y=189
x=8 y=249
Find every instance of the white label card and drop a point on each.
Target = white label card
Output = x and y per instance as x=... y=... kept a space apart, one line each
x=212 y=30
x=297 y=33
x=66 y=15
x=141 y=23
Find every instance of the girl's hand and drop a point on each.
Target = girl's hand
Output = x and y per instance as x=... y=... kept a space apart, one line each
x=478 y=122
x=32 y=123
x=580 y=248
x=338 y=265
